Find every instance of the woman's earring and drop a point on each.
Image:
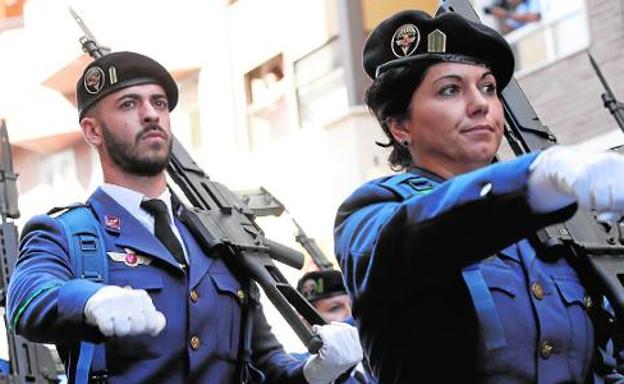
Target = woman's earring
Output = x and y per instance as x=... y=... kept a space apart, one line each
x=405 y=143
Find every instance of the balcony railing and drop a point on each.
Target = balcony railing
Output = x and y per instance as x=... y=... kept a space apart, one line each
x=559 y=34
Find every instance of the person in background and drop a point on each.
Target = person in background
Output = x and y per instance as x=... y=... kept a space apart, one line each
x=327 y=293
x=513 y=14
x=448 y=279
x=325 y=290
x=169 y=312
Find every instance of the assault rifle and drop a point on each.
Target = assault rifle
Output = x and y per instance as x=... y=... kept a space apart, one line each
x=595 y=249
x=29 y=362
x=224 y=226
x=263 y=203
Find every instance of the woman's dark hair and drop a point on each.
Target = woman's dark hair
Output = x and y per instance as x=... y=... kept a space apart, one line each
x=389 y=97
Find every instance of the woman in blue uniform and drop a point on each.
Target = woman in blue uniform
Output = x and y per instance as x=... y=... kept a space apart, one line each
x=440 y=260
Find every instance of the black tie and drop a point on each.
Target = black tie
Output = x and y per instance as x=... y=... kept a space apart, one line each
x=162 y=227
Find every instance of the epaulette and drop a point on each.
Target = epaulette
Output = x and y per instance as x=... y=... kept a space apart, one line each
x=407 y=185
x=56 y=211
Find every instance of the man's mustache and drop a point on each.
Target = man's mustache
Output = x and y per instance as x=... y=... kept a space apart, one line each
x=148 y=128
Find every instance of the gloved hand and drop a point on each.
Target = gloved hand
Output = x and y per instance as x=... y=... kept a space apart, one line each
x=561 y=176
x=121 y=312
x=341 y=350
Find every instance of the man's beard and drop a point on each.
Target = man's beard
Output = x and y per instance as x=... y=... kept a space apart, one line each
x=125 y=155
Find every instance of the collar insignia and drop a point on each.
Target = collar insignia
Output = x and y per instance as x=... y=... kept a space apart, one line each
x=112 y=223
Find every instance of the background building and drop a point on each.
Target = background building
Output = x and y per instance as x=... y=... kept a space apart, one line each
x=271 y=92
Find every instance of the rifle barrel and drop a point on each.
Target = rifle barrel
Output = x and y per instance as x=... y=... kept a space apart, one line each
x=600 y=76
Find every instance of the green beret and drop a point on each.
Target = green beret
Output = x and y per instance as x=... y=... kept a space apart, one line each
x=414 y=37
x=321 y=284
x=119 y=70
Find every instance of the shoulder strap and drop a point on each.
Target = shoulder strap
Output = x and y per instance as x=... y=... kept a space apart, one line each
x=490 y=326
x=408 y=185
x=87 y=254
x=86 y=244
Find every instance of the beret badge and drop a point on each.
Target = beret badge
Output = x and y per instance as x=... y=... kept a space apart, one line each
x=405 y=40
x=311 y=288
x=94 y=80
x=436 y=42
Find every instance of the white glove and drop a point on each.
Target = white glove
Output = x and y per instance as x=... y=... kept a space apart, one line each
x=561 y=176
x=341 y=350
x=122 y=312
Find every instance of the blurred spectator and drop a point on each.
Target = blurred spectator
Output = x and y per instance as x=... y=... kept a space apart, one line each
x=325 y=290
x=327 y=293
x=513 y=14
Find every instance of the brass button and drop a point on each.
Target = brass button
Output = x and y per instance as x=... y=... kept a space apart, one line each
x=195 y=342
x=240 y=294
x=587 y=301
x=194 y=296
x=538 y=290
x=546 y=349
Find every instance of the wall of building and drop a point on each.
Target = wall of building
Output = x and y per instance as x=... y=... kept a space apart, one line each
x=566 y=94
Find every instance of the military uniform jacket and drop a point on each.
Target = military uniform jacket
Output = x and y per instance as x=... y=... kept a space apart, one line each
x=445 y=283
x=202 y=305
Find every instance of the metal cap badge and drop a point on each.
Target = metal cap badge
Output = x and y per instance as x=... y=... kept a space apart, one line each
x=405 y=40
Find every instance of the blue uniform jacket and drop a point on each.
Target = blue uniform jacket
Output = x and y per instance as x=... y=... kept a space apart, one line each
x=46 y=302
x=445 y=282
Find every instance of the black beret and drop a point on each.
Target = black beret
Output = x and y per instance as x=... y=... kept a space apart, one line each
x=415 y=37
x=119 y=70
x=321 y=284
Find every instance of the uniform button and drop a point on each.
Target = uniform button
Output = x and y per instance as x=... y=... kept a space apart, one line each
x=195 y=342
x=546 y=349
x=240 y=294
x=587 y=301
x=194 y=296
x=486 y=189
x=538 y=290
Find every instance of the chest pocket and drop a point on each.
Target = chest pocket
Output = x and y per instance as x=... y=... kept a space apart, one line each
x=139 y=277
x=581 y=332
x=500 y=278
x=228 y=304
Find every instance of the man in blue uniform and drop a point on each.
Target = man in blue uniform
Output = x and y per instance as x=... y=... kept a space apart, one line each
x=168 y=312
x=448 y=280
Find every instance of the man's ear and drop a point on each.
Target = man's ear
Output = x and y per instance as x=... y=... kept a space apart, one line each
x=399 y=129
x=91 y=131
